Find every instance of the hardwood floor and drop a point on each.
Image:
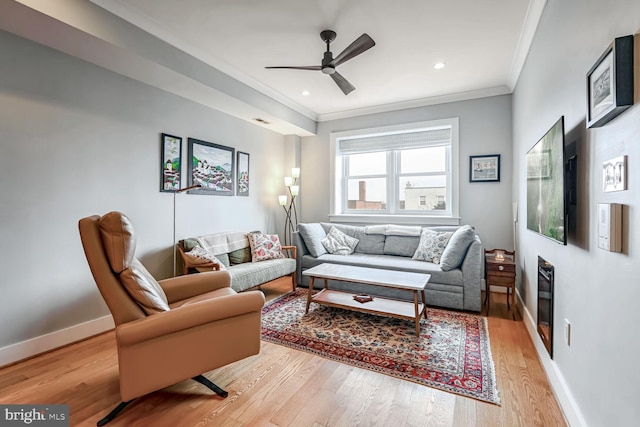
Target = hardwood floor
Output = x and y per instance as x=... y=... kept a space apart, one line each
x=285 y=387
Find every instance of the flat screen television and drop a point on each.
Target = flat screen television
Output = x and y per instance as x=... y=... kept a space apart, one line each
x=546 y=208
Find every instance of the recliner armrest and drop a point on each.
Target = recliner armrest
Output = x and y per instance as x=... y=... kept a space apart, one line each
x=189 y=316
x=183 y=287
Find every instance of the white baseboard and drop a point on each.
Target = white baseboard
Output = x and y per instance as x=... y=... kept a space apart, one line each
x=22 y=350
x=567 y=403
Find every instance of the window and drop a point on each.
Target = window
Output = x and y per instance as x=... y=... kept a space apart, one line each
x=407 y=171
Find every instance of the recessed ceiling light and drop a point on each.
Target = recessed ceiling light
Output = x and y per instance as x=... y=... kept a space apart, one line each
x=305 y=93
x=439 y=65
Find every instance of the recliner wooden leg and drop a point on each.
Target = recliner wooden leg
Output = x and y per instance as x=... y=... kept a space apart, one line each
x=114 y=413
x=207 y=383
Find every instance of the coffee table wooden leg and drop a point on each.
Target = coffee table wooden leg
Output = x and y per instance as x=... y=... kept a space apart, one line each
x=326 y=284
x=417 y=311
x=311 y=280
x=424 y=301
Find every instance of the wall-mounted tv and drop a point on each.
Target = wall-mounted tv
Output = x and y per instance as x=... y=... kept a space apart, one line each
x=545 y=185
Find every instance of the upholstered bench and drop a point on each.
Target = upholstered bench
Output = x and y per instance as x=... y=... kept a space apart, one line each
x=248 y=266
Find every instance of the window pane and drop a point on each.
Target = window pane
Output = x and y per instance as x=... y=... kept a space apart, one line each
x=368 y=164
x=423 y=193
x=367 y=194
x=432 y=159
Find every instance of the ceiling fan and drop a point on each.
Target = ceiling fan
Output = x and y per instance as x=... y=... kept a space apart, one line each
x=329 y=63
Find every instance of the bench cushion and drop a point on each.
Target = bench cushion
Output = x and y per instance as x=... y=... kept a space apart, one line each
x=250 y=274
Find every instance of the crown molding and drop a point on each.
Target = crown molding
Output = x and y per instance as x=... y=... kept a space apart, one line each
x=416 y=103
x=531 y=21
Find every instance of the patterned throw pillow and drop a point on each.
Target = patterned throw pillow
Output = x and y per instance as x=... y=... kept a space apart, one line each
x=338 y=243
x=199 y=255
x=432 y=245
x=264 y=247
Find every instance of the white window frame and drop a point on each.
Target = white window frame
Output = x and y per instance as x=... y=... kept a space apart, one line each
x=338 y=211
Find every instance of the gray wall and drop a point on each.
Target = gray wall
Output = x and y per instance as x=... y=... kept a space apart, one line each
x=596 y=291
x=485 y=128
x=78 y=140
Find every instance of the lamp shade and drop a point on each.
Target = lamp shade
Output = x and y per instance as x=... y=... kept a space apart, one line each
x=295 y=172
x=282 y=200
x=288 y=181
x=294 y=190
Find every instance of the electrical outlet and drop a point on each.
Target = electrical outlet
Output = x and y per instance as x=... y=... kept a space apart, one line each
x=567 y=332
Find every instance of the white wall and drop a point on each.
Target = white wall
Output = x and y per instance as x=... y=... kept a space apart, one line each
x=79 y=140
x=596 y=290
x=485 y=128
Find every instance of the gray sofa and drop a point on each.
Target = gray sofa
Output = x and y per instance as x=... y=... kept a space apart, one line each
x=458 y=287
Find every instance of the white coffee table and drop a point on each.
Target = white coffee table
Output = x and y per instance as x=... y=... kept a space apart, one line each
x=415 y=282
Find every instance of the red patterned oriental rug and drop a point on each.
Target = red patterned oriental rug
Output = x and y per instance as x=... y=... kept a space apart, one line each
x=452 y=353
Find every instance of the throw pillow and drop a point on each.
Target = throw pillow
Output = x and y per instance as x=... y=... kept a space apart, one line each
x=312 y=235
x=456 y=249
x=338 y=243
x=198 y=255
x=431 y=246
x=265 y=247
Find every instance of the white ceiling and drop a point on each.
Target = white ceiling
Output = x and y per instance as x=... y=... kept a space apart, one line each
x=483 y=42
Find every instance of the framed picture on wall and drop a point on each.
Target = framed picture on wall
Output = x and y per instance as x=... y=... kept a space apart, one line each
x=614 y=174
x=170 y=162
x=610 y=83
x=484 y=168
x=212 y=167
x=242 y=181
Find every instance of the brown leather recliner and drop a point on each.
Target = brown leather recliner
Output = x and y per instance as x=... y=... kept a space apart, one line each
x=170 y=330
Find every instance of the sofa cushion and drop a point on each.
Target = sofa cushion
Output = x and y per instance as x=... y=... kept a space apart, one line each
x=250 y=274
x=264 y=247
x=312 y=234
x=188 y=244
x=369 y=243
x=338 y=243
x=143 y=288
x=456 y=249
x=388 y=262
x=401 y=245
x=198 y=256
x=240 y=256
x=431 y=246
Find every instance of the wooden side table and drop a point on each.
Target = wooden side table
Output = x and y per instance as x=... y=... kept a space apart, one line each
x=500 y=270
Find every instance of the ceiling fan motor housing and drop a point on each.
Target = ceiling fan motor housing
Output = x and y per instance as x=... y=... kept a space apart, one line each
x=326 y=68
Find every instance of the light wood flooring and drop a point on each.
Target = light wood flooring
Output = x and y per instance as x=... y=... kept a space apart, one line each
x=285 y=387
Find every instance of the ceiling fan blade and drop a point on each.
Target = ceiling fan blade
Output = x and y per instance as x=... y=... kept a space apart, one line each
x=342 y=83
x=310 y=67
x=360 y=45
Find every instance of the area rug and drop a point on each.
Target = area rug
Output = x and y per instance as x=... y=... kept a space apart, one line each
x=452 y=352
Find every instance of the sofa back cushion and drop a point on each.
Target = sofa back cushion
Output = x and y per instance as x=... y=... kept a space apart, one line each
x=401 y=245
x=456 y=249
x=312 y=235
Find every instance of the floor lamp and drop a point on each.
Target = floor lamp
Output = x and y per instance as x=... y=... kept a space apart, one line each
x=291 y=218
x=182 y=190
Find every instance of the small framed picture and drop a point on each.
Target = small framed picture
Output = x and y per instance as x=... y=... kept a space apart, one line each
x=610 y=83
x=170 y=162
x=614 y=174
x=484 y=168
x=242 y=181
x=212 y=167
